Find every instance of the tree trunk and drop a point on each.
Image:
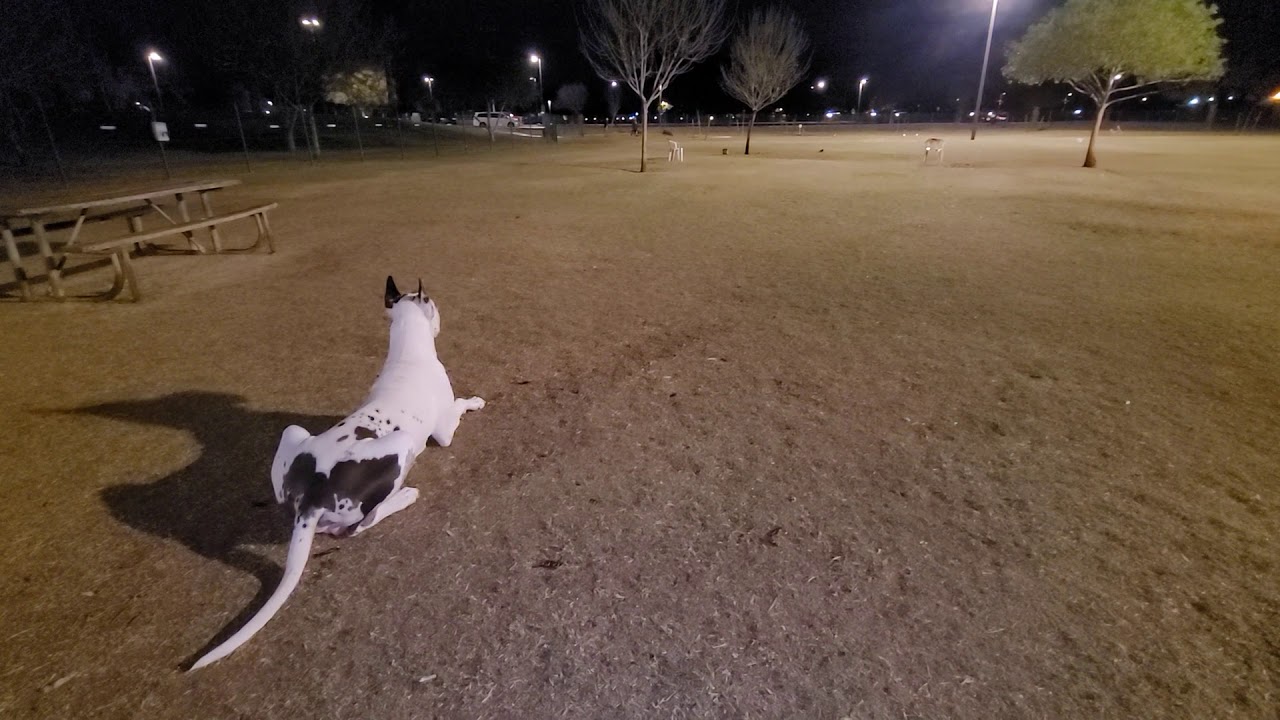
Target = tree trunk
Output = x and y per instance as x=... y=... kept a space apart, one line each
x=11 y=128
x=290 y=136
x=644 y=137
x=315 y=132
x=750 y=125
x=1089 y=159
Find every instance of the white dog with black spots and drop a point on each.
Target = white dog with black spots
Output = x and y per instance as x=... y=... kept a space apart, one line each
x=351 y=477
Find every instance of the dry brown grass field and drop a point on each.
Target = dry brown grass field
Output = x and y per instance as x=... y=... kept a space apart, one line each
x=814 y=433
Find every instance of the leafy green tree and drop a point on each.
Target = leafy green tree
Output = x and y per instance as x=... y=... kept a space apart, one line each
x=1114 y=51
x=363 y=89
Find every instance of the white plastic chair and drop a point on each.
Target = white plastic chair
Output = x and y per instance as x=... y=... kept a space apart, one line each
x=674 y=151
x=933 y=146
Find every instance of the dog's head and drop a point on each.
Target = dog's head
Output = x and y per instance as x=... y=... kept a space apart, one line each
x=418 y=300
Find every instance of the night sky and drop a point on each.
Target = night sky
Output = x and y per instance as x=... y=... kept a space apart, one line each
x=917 y=53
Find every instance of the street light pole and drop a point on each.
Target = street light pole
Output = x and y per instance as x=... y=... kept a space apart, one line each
x=542 y=94
x=152 y=57
x=861 y=84
x=435 y=119
x=982 y=81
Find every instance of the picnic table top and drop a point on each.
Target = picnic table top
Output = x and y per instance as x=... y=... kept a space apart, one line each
x=118 y=199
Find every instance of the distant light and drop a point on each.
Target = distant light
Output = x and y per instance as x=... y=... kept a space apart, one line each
x=310 y=22
x=331 y=125
x=1145 y=99
x=375 y=124
x=713 y=117
x=1231 y=97
x=1212 y=98
x=266 y=112
x=971 y=113
x=106 y=127
x=154 y=56
x=777 y=109
x=822 y=85
x=1078 y=111
x=201 y=125
x=613 y=83
x=1194 y=101
x=274 y=127
x=830 y=115
x=1119 y=76
x=873 y=113
x=535 y=59
x=1276 y=97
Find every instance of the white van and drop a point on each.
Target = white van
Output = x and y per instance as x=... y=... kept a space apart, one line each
x=496 y=119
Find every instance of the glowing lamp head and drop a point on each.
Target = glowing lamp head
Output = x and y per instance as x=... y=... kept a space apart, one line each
x=535 y=59
x=154 y=56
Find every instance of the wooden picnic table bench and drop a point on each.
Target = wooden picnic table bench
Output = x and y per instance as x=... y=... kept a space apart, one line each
x=41 y=221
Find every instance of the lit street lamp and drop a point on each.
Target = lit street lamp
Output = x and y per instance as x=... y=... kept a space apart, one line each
x=154 y=57
x=819 y=86
x=310 y=22
x=541 y=93
x=430 y=82
x=982 y=81
x=861 y=84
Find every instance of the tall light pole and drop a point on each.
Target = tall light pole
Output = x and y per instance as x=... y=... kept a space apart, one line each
x=982 y=81
x=861 y=84
x=311 y=24
x=154 y=57
x=430 y=83
x=541 y=92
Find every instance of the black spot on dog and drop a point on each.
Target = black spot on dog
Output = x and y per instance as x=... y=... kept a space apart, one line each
x=366 y=482
x=344 y=437
x=364 y=433
x=395 y=429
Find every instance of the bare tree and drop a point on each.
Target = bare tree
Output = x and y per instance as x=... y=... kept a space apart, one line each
x=573 y=97
x=31 y=60
x=648 y=43
x=766 y=61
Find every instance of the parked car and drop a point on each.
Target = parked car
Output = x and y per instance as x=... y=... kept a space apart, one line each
x=447 y=120
x=496 y=119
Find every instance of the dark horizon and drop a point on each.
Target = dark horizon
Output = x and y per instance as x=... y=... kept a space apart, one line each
x=917 y=54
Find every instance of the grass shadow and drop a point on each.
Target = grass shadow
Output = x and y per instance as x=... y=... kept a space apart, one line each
x=223 y=500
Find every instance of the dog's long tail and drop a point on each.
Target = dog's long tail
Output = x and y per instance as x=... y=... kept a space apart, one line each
x=304 y=530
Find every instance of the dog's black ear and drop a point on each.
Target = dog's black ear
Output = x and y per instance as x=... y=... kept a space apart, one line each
x=421 y=294
x=392 y=293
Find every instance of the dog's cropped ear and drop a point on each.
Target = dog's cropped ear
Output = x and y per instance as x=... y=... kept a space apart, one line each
x=392 y=293
x=421 y=294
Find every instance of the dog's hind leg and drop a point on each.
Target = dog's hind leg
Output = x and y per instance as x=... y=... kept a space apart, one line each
x=397 y=501
x=449 y=420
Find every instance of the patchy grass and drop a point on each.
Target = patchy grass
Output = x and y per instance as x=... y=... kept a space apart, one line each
x=815 y=433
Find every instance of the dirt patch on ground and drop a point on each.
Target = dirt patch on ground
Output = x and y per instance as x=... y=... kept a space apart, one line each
x=796 y=435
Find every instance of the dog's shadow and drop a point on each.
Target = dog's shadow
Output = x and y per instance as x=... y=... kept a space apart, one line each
x=223 y=500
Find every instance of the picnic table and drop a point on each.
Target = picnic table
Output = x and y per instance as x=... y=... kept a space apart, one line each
x=41 y=222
